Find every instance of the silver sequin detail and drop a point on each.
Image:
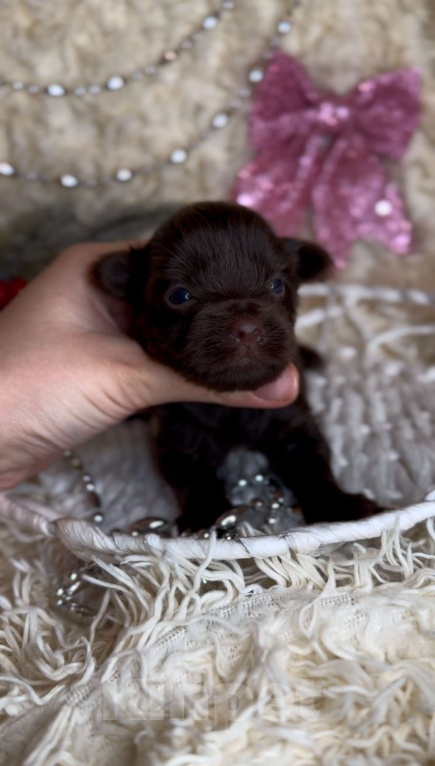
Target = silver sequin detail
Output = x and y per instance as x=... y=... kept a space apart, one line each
x=383 y=208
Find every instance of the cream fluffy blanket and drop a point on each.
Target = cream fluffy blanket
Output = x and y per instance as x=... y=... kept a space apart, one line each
x=301 y=648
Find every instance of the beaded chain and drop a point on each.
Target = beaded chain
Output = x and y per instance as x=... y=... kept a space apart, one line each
x=117 y=82
x=261 y=504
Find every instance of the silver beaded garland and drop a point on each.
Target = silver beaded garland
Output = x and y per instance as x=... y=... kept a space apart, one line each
x=93 y=499
x=117 y=82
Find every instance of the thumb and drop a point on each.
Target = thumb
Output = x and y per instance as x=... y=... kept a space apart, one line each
x=166 y=386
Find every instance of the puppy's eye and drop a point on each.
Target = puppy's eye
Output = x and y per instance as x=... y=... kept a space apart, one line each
x=277 y=286
x=180 y=296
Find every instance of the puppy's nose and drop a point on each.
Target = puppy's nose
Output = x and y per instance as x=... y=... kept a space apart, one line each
x=247 y=330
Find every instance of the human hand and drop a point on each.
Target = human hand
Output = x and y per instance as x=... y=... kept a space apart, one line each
x=68 y=371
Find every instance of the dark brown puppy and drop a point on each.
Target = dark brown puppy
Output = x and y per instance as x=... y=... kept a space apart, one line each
x=214 y=297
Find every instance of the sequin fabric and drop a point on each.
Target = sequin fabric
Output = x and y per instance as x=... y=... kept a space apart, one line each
x=327 y=152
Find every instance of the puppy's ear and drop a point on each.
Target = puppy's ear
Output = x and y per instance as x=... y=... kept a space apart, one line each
x=112 y=274
x=313 y=262
x=118 y=273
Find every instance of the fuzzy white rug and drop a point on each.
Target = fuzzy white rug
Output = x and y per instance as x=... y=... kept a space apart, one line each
x=303 y=658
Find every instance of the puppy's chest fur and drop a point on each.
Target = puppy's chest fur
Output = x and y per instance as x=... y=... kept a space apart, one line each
x=207 y=432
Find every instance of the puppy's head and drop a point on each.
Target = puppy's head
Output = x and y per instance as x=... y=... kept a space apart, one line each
x=213 y=294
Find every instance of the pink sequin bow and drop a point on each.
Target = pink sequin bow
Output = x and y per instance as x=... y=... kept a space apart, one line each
x=324 y=150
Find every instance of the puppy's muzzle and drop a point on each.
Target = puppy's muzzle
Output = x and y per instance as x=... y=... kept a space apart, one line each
x=247 y=330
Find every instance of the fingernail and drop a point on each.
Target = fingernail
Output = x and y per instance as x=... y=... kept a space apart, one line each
x=283 y=388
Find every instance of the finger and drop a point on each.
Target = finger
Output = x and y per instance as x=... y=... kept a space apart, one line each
x=79 y=257
x=280 y=393
x=164 y=385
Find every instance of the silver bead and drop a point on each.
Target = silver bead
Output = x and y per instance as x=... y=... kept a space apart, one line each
x=94 y=89
x=6 y=169
x=90 y=487
x=134 y=533
x=259 y=478
x=56 y=90
x=227 y=519
x=275 y=506
x=220 y=120
x=284 y=26
x=69 y=181
x=60 y=592
x=86 y=477
x=18 y=85
x=59 y=602
x=74 y=576
x=271 y=520
x=156 y=523
x=204 y=534
x=124 y=174
x=230 y=535
x=77 y=585
x=242 y=483
x=210 y=22
x=257 y=502
x=115 y=83
x=149 y=524
x=97 y=518
x=256 y=75
x=178 y=156
x=80 y=90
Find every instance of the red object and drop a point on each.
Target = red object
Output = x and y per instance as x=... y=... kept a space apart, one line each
x=8 y=290
x=15 y=286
